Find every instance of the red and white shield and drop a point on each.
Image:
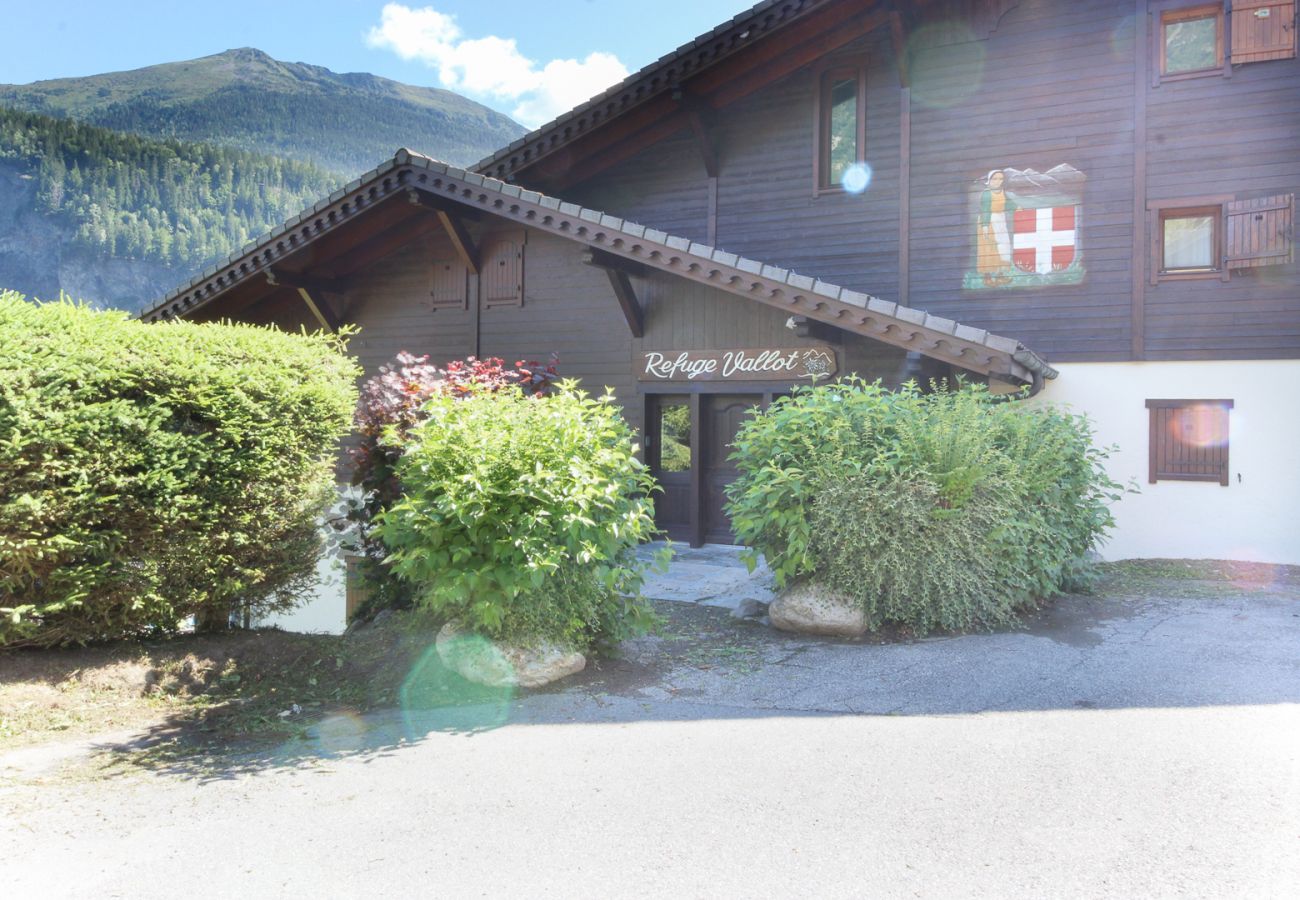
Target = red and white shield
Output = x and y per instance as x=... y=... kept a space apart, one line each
x=1043 y=240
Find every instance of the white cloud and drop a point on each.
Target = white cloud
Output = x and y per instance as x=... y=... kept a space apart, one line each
x=492 y=67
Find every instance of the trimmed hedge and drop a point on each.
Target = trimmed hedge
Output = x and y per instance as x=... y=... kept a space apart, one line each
x=950 y=509
x=520 y=516
x=153 y=472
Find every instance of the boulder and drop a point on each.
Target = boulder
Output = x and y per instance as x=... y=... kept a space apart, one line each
x=749 y=608
x=483 y=661
x=811 y=608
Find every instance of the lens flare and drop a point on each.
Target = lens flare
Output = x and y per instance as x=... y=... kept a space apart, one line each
x=434 y=698
x=1121 y=39
x=340 y=733
x=857 y=178
x=1199 y=426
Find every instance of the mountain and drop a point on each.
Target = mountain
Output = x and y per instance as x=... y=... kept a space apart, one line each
x=245 y=99
x=118 y=219
x=115 y=188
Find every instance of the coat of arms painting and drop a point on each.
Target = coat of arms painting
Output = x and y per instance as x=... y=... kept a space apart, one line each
x=1027 y=227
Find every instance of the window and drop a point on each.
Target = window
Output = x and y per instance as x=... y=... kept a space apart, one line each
x=1189 y=240
x=1191 y=40
x=1195 y=41
x=1189 y=440
x=841 y=128
x=1209 y=237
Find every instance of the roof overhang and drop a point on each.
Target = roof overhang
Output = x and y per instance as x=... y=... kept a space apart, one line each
x=419 y=178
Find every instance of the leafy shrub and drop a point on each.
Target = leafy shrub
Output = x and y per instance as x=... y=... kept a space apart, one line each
x=942 y=509
x=152 y=472
x=520 y=516
x=392 y=402
x=884 y=545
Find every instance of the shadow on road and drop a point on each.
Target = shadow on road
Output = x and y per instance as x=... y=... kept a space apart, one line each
x=1139 y=644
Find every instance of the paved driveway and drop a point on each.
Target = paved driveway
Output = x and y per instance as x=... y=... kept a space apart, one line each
x=1137 y=743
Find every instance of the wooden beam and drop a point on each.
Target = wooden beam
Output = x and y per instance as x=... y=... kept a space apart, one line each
x=905 y=196
x=703 y=139
x=461 y=240
x=602 y=259
x=627 y=301
x=320 y=310
x=898 y=36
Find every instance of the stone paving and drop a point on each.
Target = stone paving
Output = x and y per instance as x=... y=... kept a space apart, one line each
x=712 y=575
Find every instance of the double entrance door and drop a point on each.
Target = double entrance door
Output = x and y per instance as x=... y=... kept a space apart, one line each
x=688 y=440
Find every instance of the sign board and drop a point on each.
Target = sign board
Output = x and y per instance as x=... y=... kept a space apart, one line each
x=789 y=364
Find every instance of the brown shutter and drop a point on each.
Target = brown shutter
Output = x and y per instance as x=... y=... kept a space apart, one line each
x=1263 y=30
x=1259 y=232
x=449 y=288
x=1189 y=440
x=503 y=271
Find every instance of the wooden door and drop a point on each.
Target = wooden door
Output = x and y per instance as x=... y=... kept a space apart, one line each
x=723 y=416
x=669 y=453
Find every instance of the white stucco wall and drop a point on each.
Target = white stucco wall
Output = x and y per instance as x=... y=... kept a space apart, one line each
x=326 y=612
x=1257 y=516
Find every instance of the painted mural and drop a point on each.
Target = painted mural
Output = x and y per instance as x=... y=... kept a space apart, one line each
x=1026 y=228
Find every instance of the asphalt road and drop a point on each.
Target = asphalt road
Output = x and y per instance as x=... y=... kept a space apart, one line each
x=1115 y=748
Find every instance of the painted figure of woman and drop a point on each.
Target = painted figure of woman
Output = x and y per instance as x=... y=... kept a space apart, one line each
x=993 y=230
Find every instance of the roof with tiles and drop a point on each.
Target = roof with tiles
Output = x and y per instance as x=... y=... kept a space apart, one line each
x=408 y=171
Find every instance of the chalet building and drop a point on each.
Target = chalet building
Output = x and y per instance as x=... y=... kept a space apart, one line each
x=1092 y=198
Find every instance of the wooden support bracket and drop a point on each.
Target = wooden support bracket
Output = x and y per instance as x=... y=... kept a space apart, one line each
x=461 y=240
x=695 y=115
x=320 y=309
x=618 y=270
x=626 y=295
x=312 y=290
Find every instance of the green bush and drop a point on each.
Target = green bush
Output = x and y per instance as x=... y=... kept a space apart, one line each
x=153 y=472
x=520 y=516
x=944 y=509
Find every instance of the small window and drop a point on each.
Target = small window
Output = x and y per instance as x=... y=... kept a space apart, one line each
x=1191 y=41
x=1189 y=240
x=1189 y=440
x=841 y=127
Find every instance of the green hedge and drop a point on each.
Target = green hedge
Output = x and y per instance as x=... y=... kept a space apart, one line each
x=520 y=516
x=153 y=472
x=947 y=509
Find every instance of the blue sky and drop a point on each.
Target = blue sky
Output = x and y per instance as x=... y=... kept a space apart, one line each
x=561 y=48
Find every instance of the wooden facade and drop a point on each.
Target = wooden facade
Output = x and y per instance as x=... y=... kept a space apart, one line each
x=718 y=145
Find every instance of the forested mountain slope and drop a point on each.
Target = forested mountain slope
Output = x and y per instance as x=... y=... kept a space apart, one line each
x=119 y=219
x=245 y=99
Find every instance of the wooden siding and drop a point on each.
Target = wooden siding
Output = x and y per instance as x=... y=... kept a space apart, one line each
x=1055 y=82
x=570 y=309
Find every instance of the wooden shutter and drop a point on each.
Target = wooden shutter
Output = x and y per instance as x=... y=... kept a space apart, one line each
x=502 y=271
x=449 y=287
x=1259 y=232
x=1263 y=30
x=1189 y=440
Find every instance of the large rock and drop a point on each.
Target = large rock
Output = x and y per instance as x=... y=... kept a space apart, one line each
x=811 y=608
x=482 y=661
